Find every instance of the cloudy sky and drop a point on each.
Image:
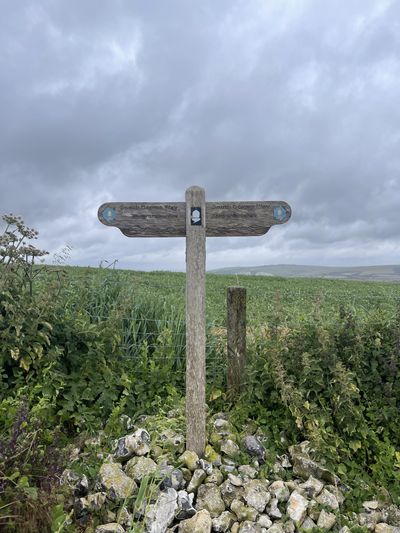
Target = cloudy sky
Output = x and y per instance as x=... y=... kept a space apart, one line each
x=136 y=100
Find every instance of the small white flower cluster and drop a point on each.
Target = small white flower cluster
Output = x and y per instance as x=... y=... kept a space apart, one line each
x=14 y=250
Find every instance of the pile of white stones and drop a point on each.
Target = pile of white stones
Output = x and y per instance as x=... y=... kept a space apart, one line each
x=217 y=493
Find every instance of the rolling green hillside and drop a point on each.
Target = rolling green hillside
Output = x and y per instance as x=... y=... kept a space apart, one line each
x=363 y=273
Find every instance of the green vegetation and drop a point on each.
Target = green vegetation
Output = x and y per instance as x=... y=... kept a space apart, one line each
x=79 y=347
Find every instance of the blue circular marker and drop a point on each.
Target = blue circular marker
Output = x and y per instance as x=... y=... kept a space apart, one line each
x=279 y=213
x=109 y=214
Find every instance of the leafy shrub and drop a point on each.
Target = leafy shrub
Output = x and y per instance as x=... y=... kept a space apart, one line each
x=337 y=385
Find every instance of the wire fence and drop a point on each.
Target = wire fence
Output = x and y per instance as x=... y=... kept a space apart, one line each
x=148 y=315
x=165 y=349
x=162 y=349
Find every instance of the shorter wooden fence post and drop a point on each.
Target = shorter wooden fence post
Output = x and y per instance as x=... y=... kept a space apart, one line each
x=236 y=338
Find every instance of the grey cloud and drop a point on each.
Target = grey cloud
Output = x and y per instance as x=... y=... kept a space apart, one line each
x=292 y=100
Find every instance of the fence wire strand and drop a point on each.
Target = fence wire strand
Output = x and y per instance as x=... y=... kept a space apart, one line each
x=151 y=342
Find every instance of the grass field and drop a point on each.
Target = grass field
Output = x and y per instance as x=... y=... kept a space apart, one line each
x=293 y=298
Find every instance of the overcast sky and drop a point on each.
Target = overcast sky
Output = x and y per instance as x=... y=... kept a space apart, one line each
x=136 y=100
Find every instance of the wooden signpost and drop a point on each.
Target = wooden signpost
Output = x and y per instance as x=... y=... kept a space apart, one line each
x=194 y=219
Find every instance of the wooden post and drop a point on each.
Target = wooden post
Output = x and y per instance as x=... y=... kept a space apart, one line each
x=180 y=219
x=195 y=320
x=236 y=335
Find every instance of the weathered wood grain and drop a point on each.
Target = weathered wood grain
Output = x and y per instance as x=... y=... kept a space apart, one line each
x=195 y=323
x=236 y=339
x=146 y=219
x=241 y=219
x=224 y=219
x=218 y=219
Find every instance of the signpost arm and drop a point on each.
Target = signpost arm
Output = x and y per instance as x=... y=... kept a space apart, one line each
x=195 y=319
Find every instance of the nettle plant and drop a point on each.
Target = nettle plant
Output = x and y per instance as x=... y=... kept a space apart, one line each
x=17 y=256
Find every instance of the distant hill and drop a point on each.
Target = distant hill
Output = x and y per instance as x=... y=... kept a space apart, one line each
x=364 y=273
